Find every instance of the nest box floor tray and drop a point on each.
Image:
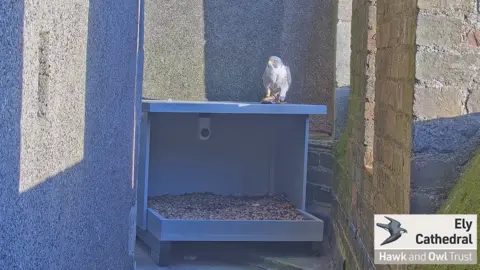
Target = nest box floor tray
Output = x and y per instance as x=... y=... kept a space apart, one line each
x=224 y=171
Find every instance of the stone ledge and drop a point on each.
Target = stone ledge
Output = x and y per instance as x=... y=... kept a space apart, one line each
x=318 y=194
x=320 y=144
x=320 y=175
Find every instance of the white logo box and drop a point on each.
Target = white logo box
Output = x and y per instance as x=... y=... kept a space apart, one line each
x=423 y=226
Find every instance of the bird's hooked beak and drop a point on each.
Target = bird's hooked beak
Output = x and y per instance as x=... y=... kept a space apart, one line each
x=405 y=231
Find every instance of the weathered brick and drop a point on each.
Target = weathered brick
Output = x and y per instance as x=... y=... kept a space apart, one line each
x=446 y=5
x=402 y=128
x=316 y=193
x=368 y=218
x=326 y=159
x=397 y=164
x=407 y=95
x=394 y=31
x=391 y=118
x=409 y=8
x=354 y=196
x=473 y=104
x=396 y=8
x=393 y=91
x=429 y=33
x=473 y=38
x=403 y=64
x=368 y=191
x=407 y=32
x=398 y=96
x=383 y=35
x=389 y=186
x=313 y=158
x=447 y=69
x=432 y=103
x=379 y=83
x=406 y=191
x=388 y=154
x=380 y=12
x=320 y=176
x=381 y=205
x=378 y=148
x=310 y=194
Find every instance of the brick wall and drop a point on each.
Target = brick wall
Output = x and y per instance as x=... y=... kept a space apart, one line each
x=319 y=175
x=447 y=94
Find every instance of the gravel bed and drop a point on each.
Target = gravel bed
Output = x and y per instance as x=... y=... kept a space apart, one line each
x=209 y=206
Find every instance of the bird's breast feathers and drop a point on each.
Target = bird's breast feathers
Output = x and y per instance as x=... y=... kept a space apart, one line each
x=280 y=75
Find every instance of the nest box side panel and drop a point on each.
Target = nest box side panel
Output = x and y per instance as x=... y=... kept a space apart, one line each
x=290 y=159
x=143 y=169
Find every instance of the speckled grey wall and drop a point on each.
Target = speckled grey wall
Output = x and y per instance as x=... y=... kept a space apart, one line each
x=67 y=103
x=217 y=50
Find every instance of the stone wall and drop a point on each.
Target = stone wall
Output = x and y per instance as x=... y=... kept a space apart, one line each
x=426 y=124
x=446 y=99
x=217 y=50
x=67 y=134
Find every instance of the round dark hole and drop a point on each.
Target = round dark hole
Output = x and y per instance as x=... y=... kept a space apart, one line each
x=205 y=132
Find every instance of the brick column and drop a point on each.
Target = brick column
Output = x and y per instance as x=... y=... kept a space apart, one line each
x=355 y=229
x=394 y=101
x=363 y=85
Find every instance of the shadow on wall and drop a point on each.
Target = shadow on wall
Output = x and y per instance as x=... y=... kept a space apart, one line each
x=80 y=216
x=441 y=148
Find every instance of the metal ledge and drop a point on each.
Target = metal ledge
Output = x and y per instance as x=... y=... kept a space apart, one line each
x=164 y=106
x=235 y=230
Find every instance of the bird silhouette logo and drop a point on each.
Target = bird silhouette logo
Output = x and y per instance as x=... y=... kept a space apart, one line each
x=394 y=228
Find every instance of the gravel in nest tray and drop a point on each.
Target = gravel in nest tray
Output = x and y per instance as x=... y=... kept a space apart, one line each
x=209 y=206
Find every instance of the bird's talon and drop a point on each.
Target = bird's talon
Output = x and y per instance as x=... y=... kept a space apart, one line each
x=268 y=93
x=268 y=100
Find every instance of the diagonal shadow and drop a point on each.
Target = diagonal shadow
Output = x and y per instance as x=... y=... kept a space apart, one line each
x=11 y=69
x=82 y=217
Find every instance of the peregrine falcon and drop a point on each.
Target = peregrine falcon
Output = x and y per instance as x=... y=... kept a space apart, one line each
x=276 y=80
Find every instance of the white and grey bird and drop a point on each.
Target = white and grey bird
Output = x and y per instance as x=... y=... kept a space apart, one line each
x=276 y=80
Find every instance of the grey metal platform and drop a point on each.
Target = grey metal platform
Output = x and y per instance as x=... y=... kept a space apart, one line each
x=249 y=149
